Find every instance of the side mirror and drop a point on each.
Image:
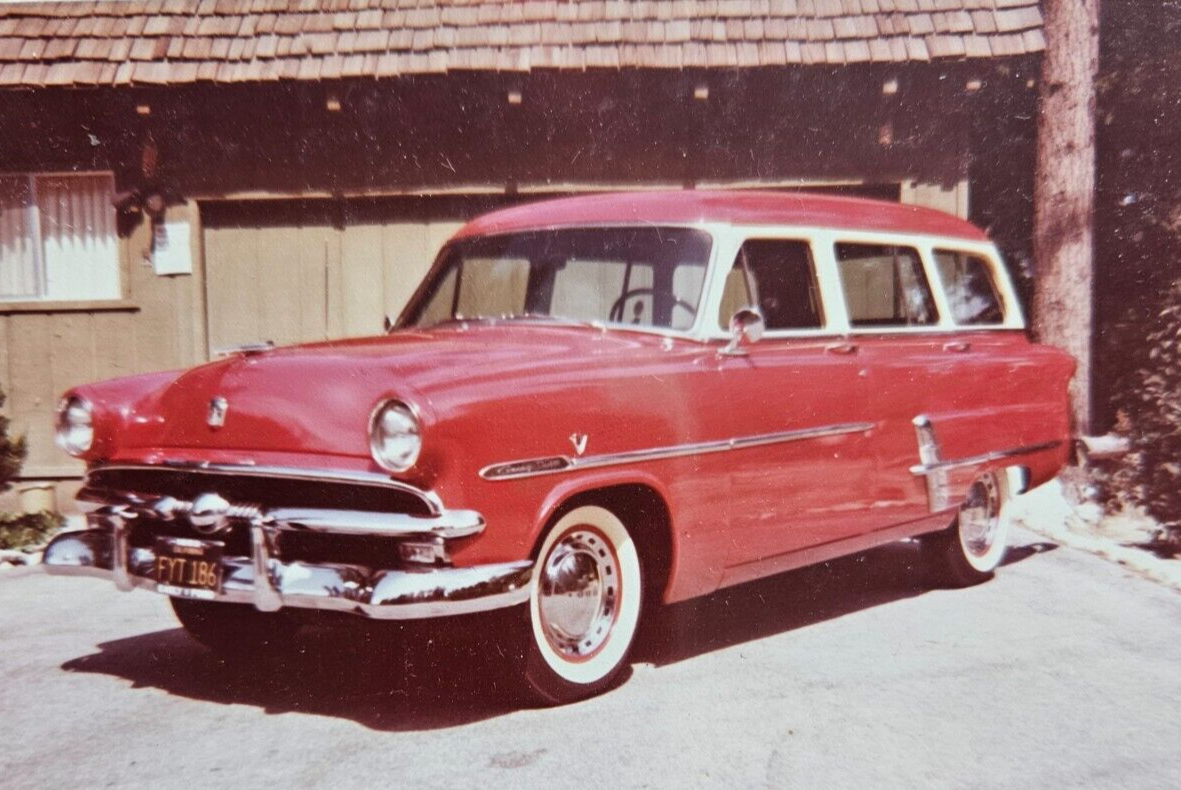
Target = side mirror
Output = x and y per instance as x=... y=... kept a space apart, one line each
x=746 y=328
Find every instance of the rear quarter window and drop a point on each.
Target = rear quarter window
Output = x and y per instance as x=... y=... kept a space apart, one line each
x=970 y=288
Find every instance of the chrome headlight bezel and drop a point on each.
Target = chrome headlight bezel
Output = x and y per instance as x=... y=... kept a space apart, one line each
x=74 y=425
x=405 y=426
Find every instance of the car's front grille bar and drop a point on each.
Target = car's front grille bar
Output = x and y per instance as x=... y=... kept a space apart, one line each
x=448 y=524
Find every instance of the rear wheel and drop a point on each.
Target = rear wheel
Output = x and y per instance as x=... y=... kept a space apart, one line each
x=233 y=628
x=971 y=549
x=584 y=607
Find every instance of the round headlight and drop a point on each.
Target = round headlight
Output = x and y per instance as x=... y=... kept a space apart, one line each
x=394 y=436
x=75 y=425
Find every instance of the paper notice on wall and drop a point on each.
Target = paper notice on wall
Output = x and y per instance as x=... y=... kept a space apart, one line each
x=172 y=252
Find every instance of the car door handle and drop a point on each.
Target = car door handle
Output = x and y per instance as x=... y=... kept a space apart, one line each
x=840 y=348
x=958 y=346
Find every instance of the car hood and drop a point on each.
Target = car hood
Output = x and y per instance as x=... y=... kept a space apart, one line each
x=317 y=399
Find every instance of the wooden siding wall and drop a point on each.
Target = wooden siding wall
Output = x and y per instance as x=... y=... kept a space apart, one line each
x=298 y=271
x=311 y=282
x=42 y=353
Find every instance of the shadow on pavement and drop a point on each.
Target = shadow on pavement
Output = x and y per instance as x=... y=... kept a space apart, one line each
x=793 y=600
x=418 y=676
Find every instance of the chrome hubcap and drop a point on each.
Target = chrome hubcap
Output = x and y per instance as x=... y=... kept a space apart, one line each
x=980 y=516
x=578 y=599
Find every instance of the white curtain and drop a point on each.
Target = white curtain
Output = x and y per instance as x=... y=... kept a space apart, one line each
x=81 y=251
x=19 y=245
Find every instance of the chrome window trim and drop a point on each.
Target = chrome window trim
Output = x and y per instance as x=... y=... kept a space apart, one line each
x=561 y=464
x=822 y=240
x=375 y=479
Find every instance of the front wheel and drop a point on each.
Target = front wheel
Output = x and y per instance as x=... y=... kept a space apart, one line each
x=233 y=629
x=584 y=606
x=971 y=549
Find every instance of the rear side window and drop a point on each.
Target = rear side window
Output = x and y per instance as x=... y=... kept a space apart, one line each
x=778 y=277
x=885 y=286
x=970 y=288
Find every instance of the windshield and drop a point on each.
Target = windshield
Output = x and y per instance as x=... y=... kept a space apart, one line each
x=639 y=276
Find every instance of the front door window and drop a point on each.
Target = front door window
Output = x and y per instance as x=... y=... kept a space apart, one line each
x=778 y=277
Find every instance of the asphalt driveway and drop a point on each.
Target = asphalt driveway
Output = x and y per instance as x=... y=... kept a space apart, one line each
x=1063 y=672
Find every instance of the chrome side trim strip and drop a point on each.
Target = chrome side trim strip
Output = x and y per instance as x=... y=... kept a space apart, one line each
x=995 y=455
x=283 y=472
x=557 y=464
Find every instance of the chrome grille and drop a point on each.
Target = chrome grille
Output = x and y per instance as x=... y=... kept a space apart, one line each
x=258 y=488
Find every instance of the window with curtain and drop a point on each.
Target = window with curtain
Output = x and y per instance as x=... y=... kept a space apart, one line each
x=57 y=237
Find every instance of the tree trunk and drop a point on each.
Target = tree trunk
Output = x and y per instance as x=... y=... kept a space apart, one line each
x=1064 y=190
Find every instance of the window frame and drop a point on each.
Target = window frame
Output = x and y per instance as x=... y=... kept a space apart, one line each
x=924 y=269
x=1000 y=283
x=42 y=301
x=817 y=280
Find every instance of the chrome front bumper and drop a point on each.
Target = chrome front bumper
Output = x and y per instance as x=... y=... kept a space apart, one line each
x=270 y=584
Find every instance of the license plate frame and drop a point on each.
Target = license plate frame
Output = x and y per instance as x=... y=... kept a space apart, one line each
x=189 y=568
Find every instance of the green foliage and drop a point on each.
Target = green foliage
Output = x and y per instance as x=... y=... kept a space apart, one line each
x=27 y=529
x=1150 y=475
x=12 y=452
x=1138 y=251
x=30 y=529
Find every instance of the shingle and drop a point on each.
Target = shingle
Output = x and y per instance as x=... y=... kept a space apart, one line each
x=879 y=51
x=945 y=46
x=845 y=27
x=977 y=47
x=143 y=49
x=121 y=50
x=920 y=24
x=164 y=41
x=1018 y=19
x=1035 y=40
x=984 y=21
x=12 y=74
x=30 y=27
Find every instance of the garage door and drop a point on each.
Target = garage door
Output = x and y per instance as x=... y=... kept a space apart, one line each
x=299 y=271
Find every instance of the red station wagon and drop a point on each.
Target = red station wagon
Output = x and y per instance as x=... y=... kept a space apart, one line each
x=590 y=406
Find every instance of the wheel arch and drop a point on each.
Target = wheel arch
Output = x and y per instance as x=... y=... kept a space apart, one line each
x=639 y=500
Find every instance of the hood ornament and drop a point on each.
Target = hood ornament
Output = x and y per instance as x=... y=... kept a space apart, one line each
x=217 y=412
x=579 y=442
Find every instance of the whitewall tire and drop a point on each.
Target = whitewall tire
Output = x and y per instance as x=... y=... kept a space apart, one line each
x=974 y=546
x=584 y=606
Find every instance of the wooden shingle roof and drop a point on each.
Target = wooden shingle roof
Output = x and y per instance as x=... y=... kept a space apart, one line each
x=123 y=42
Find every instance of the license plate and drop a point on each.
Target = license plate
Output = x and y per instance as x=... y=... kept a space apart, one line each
x=188 y=568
